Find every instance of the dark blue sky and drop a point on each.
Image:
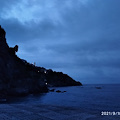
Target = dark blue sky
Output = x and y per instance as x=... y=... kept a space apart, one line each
x=78 y=37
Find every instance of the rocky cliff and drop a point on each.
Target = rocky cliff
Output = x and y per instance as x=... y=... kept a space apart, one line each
x=18 y=77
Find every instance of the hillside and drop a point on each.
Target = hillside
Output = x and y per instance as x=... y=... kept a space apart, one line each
x=18 y=77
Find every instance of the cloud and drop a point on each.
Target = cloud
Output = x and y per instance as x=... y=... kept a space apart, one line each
x=79 y=38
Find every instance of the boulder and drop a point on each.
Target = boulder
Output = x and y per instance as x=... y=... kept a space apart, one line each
x=58 y=91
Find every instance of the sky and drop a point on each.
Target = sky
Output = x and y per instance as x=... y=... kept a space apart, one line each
x=81 y=38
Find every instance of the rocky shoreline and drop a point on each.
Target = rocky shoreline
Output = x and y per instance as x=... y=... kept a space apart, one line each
x=20 y=78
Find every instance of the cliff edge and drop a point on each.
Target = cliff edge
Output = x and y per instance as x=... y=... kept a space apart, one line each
x=18 y=77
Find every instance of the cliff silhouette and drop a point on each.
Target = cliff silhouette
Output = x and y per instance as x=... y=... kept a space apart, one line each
x=18 y=77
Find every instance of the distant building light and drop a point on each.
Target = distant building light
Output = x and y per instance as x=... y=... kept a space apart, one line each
x=38 y=71
x=45 y=72
x=46 y=83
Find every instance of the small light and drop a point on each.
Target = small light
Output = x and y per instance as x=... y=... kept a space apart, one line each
x=45 y=72
x=38 y=71
x=46 y=83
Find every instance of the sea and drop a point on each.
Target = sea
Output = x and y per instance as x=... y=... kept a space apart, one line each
x=93 y=97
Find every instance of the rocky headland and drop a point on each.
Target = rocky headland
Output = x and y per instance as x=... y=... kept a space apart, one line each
x=20 y=78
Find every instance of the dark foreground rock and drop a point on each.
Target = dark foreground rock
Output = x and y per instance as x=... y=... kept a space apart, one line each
x=20 y=78
x=98 y=87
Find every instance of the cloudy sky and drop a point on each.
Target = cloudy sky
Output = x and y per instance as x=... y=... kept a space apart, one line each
x=78 y=37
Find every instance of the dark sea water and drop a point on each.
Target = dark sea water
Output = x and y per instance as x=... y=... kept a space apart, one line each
x=101 y=97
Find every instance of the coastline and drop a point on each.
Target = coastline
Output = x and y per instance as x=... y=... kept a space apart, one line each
x=77 y=103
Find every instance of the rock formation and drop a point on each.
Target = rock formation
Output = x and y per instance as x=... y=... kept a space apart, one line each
x=18 y=77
